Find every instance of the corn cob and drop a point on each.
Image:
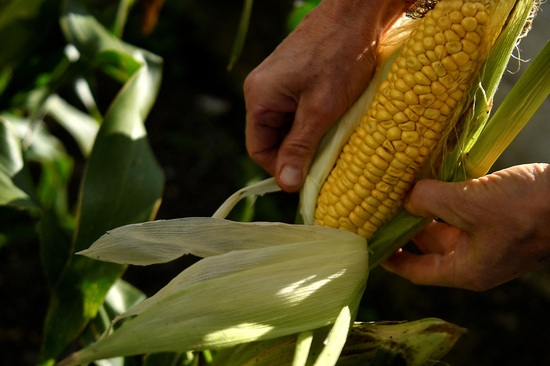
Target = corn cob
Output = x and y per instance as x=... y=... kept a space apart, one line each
x=410 y=112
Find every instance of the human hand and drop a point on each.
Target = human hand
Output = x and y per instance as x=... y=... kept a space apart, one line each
x=495 y=228
x=315 y=74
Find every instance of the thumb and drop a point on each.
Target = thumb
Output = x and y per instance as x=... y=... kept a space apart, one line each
x=436 y=199
x=297 y=150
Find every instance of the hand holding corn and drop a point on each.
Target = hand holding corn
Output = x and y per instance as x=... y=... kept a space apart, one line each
x=302 y=88
x=494 y=229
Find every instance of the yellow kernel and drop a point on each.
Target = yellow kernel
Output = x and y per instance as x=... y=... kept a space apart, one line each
x=383 y=115
x=429 y=43
x=429 y=30
x=367 y=230
x=426 y=100
x=378 y=195
x=375 y=176
x=344 y=223
x=418 y=110
x=473 y=37
x=461 y=58
x=439 y=39
x=449 y=63
x=401 y=85
x=444 y=23
x=422 y=89
x=374 y=169
x=400 y=117
x=361 y=191
x=438 y=88
x=403 y=158
x=378 y=162
x=399 y=145
x=456 y=17
x=482 y=17
x=412 y=152
x=468 y=9
x=330 y=221
x=396 y=94
x=385 y=210
x=411 y=114
x=384 y=188
x=410 y=97
x=419 y=48
x=385 y=152
x=356 y=220
x=440 y=51
x=451 y=36
x=361 y=212
x=427 y=122
x=350 y=175
x=432 y=113
x=431 y=56
x=448 y=81
x=438 y=68
x=347 y=202
x=453 y=47
x=421 y=78
x=424 y=60
x=459 y=30
x=456 y=95
x=409 y=79
x=407 y=126
x=376 y=221
x=353 y=197
x=371 y=201
x=409 y=136
x=341 y=210
x=468 y=46
x=393 y=172
x=378 y=137
x=413 y=63
x=365 y=183
x=429 y=72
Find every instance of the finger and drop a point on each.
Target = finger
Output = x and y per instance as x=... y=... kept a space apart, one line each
x=299 y=146
x=264 y=133
x=443 y=200
x=426 y=269
x=438 y=237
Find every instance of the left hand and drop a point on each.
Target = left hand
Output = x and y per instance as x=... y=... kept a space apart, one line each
x=495 y=228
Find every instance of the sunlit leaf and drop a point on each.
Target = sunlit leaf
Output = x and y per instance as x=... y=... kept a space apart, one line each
x=242 y=296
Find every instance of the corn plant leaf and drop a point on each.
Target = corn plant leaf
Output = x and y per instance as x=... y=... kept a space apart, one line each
x=80 y=125
x=165 y=240
x=242 y=31
x=122 y=184
x=242 y=296
x=515 y=111
x=11 y=168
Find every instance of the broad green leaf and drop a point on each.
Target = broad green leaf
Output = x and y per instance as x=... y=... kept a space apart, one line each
x=122 y=184
x=246 y=295
x=80 y=125
x=11 y=167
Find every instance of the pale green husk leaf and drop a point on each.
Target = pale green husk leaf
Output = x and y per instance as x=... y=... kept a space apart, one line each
x=243 y=296
x=165 y=240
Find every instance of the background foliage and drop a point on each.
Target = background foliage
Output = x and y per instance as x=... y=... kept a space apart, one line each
x=196 y=134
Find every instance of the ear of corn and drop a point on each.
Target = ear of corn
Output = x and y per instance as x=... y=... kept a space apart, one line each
x=415 y=107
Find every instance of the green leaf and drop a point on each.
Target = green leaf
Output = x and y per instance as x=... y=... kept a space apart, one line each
x=80 y=125
x=241 y=33
x=122 y=184
x=11 y=168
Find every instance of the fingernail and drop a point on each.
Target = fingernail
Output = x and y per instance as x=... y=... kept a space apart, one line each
x=290 y=176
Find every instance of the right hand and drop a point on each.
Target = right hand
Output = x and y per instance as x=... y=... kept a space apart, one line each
x=309 y=81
